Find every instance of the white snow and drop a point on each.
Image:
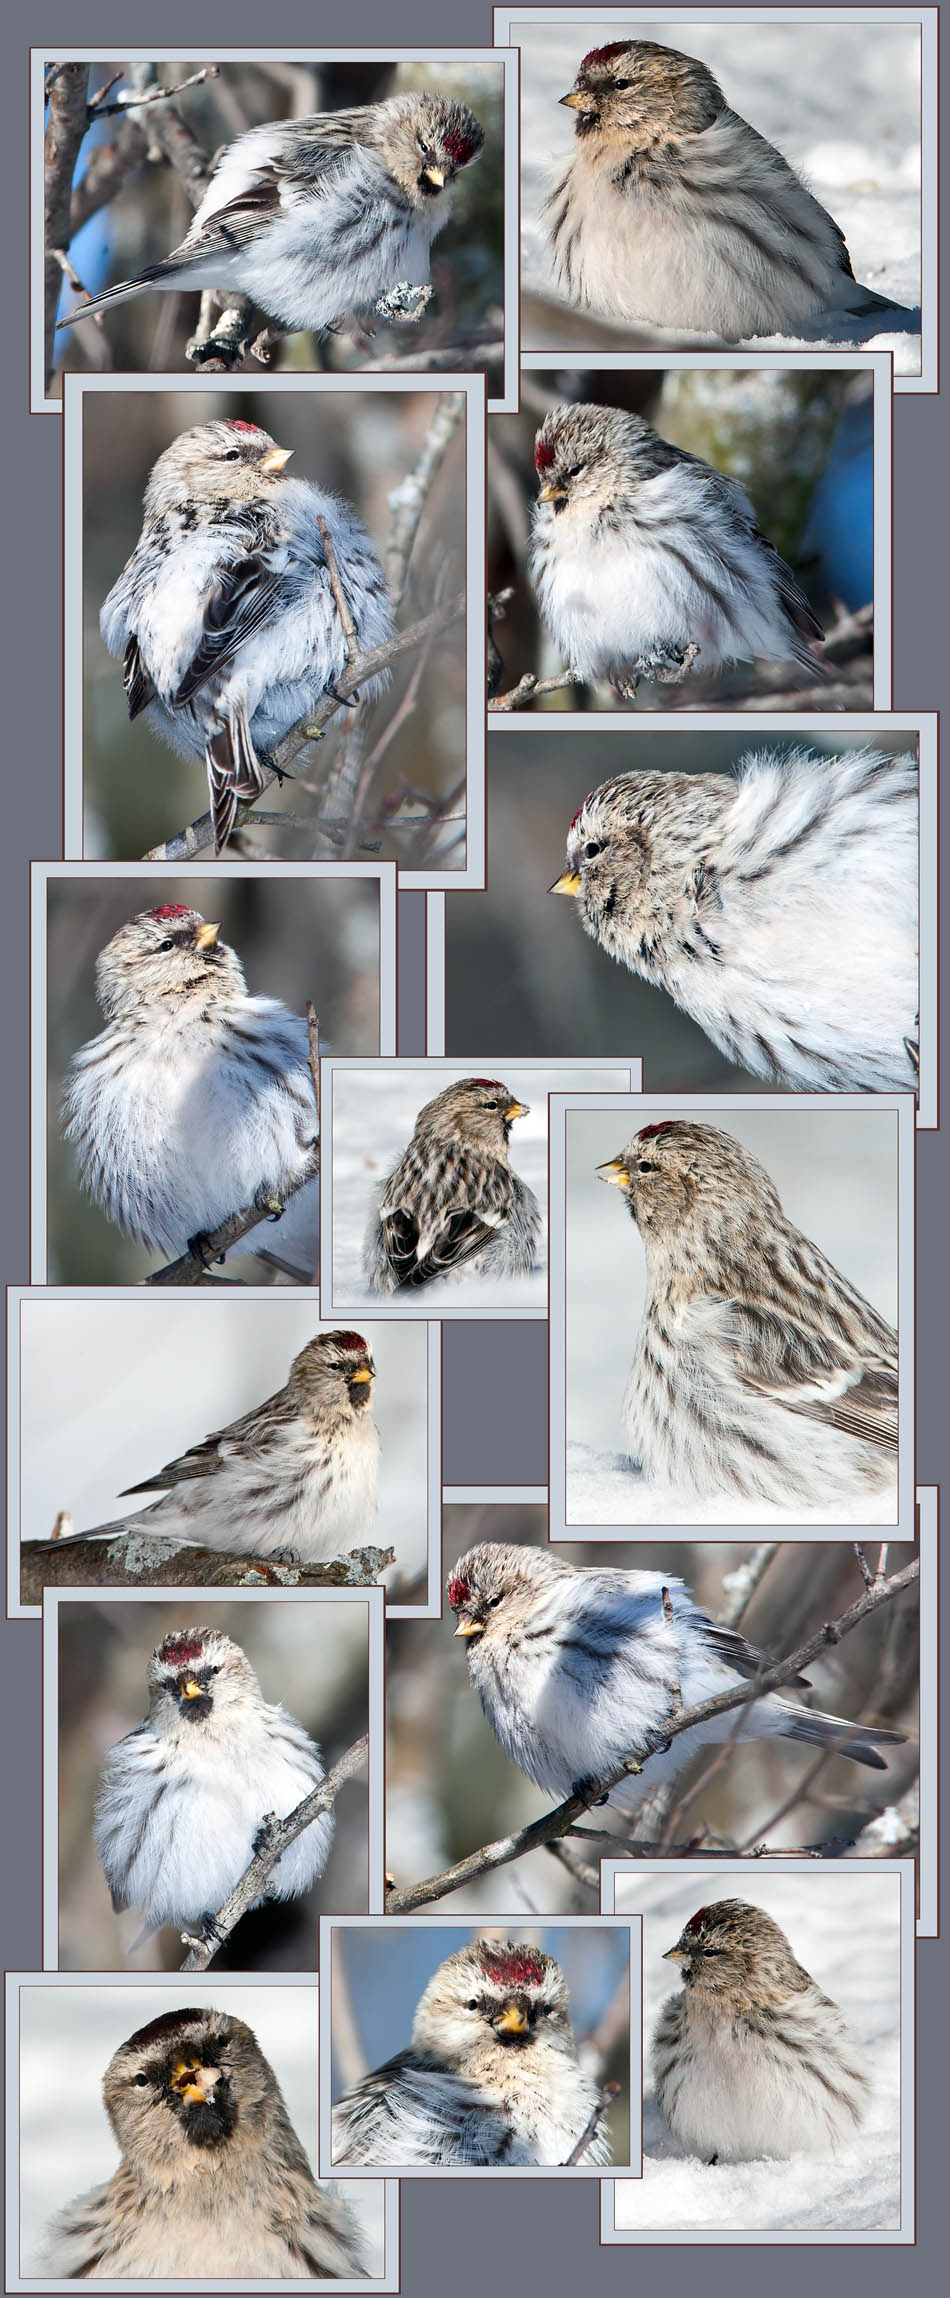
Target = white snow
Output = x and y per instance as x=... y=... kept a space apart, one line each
x=840 y=101
x=608 y=1488
x=845 y=1929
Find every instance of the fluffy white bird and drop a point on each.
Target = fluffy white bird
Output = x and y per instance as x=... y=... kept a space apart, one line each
x=454 y=1200
x=213 y=2183
x=183 y=1796
x=751 y=2059
x=575 y=1669
x=196 y=1100
x=224 y=617
x=491 y=2076
x=648 y=563
x=777 y=906
x=674 y=211
x=319 y=219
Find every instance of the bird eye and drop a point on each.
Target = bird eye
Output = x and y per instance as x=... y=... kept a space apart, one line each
x=214 y=1671
x=166 y=945
x=492 y=1601
x=231 y=455
x=575 y=471
x=623 y=83
x=472 y=2005
x=593 y=847
x=644 y=1166
x=140 y=2080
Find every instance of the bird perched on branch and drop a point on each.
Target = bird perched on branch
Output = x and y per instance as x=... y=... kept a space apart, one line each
x=758 y=1369
x=224 y=617
x=184 y=1795
x=578 y=1669
x=296 y=1476
x=321 y=219
x=674 y=211
x=196 y=1100
x=777 y=906
x=491 y=2076
x=213 y=2181
x=751 y=2059
x=453 y=1202
x=647 y=563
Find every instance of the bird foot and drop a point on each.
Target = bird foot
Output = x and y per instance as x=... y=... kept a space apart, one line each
x=665 y=665
x=403 y=304
x=270 y=1204
x=200 y=1245
x=586 y=1791
x=210 y=1933
x=346 y=701
x=265 y=1834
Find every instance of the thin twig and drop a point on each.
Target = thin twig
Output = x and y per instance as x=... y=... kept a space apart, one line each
x=133 y=103
x=275 y=1837
x=610 y=2092
x=408 y=500
x=313 y=1044
x=529 y=686
x=339 y=594
x=740 y=1585
x=193 y=1267
x=65 y=130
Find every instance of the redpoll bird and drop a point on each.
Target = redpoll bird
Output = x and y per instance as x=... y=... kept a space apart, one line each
x=183 y=1796
x=224 y=617
x=674 y=211
x=577 y=1669
x=296 y=1476
x=777 y=907
x=453 y=1201
x=752 y=2059
x=647 y=562
x=213 y=2180
x=196 y=1100
x=319 y=219
x=491 y=2076
x=758 y=1370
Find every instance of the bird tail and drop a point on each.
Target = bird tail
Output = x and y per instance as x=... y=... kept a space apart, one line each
x=859 y=1741
x=117 y=294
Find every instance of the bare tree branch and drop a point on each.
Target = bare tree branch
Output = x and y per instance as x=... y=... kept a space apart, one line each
x=610 y=2092
x=274 y=1838
x=140 y=1558
x=157 y=95
x=194 y=1266
x=65 y=128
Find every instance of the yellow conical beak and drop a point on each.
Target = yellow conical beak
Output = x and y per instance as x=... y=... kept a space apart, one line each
x=615 y=1173
x=192 y=1691
x=469 y=1628
x=513 y=2020
x=674 y=1955
x=435 y=176
x=553 y=494
x=275 y=460
x=362 y=1373
x=192 y=2081
x=206 y=938
x=515 y=1109
x=578 y=102
x=569 y=882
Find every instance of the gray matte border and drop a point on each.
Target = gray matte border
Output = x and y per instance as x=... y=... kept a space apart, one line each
x=333 y=1306
x=167 y=1982
x=43 y=873
x=611 y=1872
x=505 y=56
x=427 y=1608
x=329 y=1924
x=374 y=1601
x=507 y=23
x=78 y=387
x=901 y=1107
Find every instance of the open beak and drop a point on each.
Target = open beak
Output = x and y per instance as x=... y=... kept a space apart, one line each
x=470 y=1628
x=435 y=176
x=578 y=101
x=614 y=1173
x=553 y=494
x=513 y=2020
x=275 y=460
x=192 y=1691
x=515 y=1109
x=193 y=2082
x=205 y=940
x=569 y=882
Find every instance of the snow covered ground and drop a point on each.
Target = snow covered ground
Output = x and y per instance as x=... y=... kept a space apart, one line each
x=840 y=101
x=609 y=1488
x=845 y=1929
x=374 y=1112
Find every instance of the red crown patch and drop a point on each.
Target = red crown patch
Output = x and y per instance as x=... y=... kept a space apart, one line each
x=543 y=455
x=591 y=794
x=166 y=2025
x=648 y=1132
x=603 y=55
x=348 y=1340
x=459 y=147
x=177 y=1650
x=512 y=1967
x=237 y=425
x=170 y=910
x=458 y=1594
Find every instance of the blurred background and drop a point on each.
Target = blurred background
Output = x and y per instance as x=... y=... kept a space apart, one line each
x=356 y=444
x=450 y=1787
x=149 y=214
x=296 y=939
x=520 y=972
x=801 y=444
x=112 y=1390
x=311 y=1657
x=68 y=2035
x=835 y=1171
x=378 y=1975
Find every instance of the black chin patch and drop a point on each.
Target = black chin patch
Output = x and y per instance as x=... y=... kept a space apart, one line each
x=209 y=2124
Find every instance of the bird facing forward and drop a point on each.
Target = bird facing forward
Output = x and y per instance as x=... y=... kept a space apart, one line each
x=453 y=1202
x=320 y=219
x=777 y=906
x=196 y=1100
x=674 y=211
x=183 y=1796
x=224 y=617
x=213 y=2181
x=751 y=2059
x=491 y=2076
x=577 y=1669
x=648 y=563
x=758 y=1369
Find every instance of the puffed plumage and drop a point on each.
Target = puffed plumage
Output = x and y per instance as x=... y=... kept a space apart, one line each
x=454 y=1202
x=183 y=1795
x=778 y=907
x=674 y=211
x=751 y=2059
x=576 y=1670
x=213 y=2181
x=648 y=563
x=196 y=1099
x=224 y=617
x=491 y=2076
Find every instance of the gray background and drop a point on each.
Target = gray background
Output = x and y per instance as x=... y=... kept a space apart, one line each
x=495 y=1377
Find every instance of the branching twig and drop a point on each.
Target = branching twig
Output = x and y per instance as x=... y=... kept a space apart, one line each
x=408 y=500
x=610 y=2092
x=100 y=111
x=529 y=686
x=65 y=129
x=194 y=1266
x=340 y=598
x=275 y=1837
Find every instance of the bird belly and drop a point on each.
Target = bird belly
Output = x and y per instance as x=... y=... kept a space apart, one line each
x=328 y=259
x=605 y=600
x=743 y=2098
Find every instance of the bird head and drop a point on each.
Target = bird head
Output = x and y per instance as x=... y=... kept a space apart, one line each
x=493 y=1588
x=233 y=460
x=426 y=142
x=477 y=1109
x=185 y=2088
x=640 y=97
x=685 y=1182
x=490 y=2001
x=590 y=461
x=196 y=1677
x=168 y=953
x=731 y=1948
x=336 y=1366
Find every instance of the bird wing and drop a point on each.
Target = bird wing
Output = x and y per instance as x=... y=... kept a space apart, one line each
x=239 y=600
x=407 y=2111
x=810 y=1373
x=251 y=1433
x=266 y=193
x=736 y=1652
x=463 y=1209
x=139 y=687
